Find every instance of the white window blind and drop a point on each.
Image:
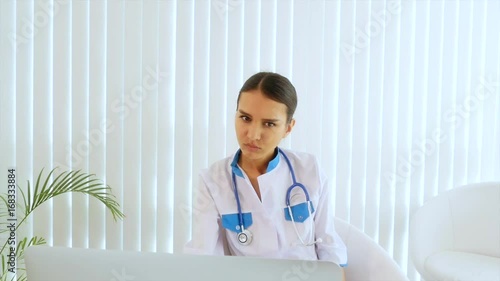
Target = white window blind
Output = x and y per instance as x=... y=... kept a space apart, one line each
x=400 y=100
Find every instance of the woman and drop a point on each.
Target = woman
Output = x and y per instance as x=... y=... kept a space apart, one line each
x=248 y=205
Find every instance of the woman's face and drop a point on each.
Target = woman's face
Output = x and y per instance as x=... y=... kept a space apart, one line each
x=260 y=125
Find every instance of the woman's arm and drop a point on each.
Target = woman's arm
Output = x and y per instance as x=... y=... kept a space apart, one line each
x=332 y=247
x=206 y=231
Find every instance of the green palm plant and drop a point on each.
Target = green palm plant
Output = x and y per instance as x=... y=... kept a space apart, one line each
x=44 y=190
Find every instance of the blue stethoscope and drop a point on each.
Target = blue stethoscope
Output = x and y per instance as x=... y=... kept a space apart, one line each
x=245 y=236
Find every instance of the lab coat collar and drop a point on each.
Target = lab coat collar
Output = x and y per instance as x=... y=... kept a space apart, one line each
x=237 y=171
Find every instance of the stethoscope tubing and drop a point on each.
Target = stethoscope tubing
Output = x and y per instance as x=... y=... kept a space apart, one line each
x=294 y=181
x=287 y=202
x=240 y=214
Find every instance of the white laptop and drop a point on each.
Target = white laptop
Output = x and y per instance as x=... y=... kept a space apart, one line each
x=45 y=263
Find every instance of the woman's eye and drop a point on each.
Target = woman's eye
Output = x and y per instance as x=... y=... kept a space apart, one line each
x=245 y=118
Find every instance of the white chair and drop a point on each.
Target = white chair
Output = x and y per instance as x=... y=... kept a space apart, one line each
x=367 y=261
x=456 y=235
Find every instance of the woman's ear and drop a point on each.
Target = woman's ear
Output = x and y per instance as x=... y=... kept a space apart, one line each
x=289 y=128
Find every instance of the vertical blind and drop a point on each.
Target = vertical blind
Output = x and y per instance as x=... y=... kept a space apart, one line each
x=400 y=100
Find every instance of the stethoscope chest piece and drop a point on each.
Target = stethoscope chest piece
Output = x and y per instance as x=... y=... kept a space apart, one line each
x=245 y=237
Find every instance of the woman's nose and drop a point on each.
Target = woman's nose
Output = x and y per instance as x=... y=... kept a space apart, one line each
x=254 y=132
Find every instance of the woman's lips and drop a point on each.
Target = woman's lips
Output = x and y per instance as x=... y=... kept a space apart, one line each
x=252 y=147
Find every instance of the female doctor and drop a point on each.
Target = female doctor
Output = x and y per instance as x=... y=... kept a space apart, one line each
x=264 y=200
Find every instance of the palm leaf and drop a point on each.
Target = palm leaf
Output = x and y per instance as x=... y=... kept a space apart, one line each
x=72 y=181
x=24 y=243
x=4 y=213
x=4 y=268
x=44 y=190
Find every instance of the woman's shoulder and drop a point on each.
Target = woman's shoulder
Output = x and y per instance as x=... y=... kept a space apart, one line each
x=305 y=162
x=300 y=157
x=219 y=167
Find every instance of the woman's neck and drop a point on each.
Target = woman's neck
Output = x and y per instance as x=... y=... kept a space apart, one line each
x=257 y=166
x=254 y=166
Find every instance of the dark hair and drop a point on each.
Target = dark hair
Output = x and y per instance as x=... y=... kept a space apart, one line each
x=275 y=87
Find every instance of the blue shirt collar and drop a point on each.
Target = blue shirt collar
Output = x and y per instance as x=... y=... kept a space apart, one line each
x=237 y=171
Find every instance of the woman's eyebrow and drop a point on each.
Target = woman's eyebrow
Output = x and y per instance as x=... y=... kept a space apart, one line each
x=244 y=113
x=265 y=119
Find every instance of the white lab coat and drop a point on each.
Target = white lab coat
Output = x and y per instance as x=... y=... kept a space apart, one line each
x=273 y=235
